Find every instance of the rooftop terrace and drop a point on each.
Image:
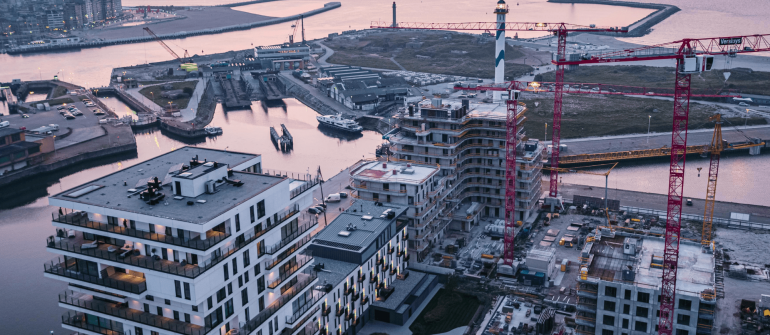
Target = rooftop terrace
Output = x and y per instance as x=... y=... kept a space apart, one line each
x=384 y=172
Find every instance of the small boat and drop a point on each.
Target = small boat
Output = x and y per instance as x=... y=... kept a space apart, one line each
x=213 y=130
x=339 y=123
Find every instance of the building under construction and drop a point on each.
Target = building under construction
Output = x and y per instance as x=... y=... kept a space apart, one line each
x=619 y=286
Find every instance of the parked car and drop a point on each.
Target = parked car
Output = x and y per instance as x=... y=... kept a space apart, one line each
x=69 y=116
x=689 y=202
x=320 y=209
x=322 y=205
x=54 y=126
x=60 y=107
x=343 y=195
x=77 y=113
x=24 y=116
x=314 y=210
x=743 y=104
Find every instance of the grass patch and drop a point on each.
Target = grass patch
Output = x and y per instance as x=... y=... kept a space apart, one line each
x=741 y=79
x=461 y=55
x=446 y=311
x=586 y=116
x=154 y=93
x=59 y=91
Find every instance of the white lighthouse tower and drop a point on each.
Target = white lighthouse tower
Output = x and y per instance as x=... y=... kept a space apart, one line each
x=501 y=9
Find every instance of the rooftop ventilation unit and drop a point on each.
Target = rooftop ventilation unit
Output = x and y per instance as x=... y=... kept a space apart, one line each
x=367 y=217
x=344 y=233
x=407 y=170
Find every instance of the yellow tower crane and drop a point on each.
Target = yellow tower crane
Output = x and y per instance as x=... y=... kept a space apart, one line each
x=716 y=147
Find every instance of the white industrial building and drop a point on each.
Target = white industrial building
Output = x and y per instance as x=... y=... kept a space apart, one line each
x=192 y=242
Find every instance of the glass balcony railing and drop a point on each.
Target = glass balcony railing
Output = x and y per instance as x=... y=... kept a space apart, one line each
x=81 y=221
x=78 y=320
x=286 y=298
x=121 y=282
x=290 y=272
x=271 y=263
x=289 y=239
x=120 y=310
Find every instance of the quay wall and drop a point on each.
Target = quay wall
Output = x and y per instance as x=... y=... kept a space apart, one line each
x=307 y=98
x=639 y=28
x=246 y=26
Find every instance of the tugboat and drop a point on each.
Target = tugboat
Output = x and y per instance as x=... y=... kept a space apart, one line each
x=339 y=123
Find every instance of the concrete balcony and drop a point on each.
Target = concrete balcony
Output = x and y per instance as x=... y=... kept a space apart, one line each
x=271 y=263
x=286 y=298
x=278 y=247
x=80 y=221
x=87 y=304
x=310 y=308
x=122 y=282
x=302 y=263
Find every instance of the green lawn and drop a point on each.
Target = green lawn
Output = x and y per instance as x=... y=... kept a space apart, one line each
x=446 y=311
x=154 y=93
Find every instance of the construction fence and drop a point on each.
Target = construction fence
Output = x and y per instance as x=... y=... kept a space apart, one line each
x=721 y=222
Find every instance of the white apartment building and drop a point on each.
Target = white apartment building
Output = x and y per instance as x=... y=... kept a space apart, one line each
x=192 y=242
x=420 y=187
x=361 y=259
x=619 y=287
x=466 y=142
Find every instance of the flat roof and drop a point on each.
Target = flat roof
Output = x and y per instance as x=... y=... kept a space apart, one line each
x=334 y=271
x=365 y=232
x=695 y=271
x=109 y=191
x=5 y=131
x=403 y=289
x=376 y=172
x=477 y=109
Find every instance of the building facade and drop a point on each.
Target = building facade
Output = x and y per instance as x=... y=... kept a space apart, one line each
x=619 y=288
x=16 y=152
x=466 y=142
x=176 y=245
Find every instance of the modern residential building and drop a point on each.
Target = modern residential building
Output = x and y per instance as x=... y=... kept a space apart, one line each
x=619 y=287
x=195 y=241
x=466 y=142
x=361 y=259
x=419 y=187
x=18 y=152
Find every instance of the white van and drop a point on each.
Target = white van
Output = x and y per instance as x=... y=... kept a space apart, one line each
x=334 y=197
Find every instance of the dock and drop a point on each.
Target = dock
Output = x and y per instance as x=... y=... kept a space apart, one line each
x=271 y=86
x=284 y=142
x=236 y=93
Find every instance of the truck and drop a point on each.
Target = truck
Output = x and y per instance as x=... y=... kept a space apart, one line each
x=334 y=197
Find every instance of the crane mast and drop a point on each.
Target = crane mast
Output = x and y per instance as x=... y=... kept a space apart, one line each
x=512 y=104
x=711 y=189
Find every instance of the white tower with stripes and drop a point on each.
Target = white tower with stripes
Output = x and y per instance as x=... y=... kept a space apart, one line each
x=501 y=10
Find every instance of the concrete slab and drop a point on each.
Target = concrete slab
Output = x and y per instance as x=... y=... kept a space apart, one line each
x=80 y=135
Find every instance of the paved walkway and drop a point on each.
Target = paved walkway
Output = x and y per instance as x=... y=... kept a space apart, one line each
x=329 y=53
x=393 y=329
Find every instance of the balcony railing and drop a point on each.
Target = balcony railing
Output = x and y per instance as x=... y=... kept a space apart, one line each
x=317 y=296
x=308 y=185
x=269 y=264
x=286 y=275
x=81 y=220
x=78 y=320
x=289 y=239
x=57 y=268
x=253 y=324
x=120 y=311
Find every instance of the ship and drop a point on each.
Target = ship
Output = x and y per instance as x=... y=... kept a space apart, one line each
x=339 y=123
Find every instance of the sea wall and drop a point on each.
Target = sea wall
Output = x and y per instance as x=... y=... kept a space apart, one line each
x=639 y=28
x=245 y=26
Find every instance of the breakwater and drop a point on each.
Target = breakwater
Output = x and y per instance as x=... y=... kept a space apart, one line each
x=177 y=35
x=639 y=28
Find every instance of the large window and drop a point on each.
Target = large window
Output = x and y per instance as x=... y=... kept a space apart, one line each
x=610 y=291
x=683 y=319
x=245 y=296
x=609 y=306
x=261 y=209
x=642 y=311
x=643 y=297
x=608 y=320
x=640 y=326
x=229 y=310
x=685 y=304
x=215 y=318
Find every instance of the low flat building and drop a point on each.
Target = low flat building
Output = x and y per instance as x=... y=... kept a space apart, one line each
x=16 y=152
x=619 y=287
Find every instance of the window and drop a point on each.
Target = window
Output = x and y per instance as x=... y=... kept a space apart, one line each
x=15 y=137
x=260 y=284
x=195 y=307
x=214 y=319
x=221 y=295
x=261 y=209
x=235 y=266
x=611 y=291
x=609 y=306
x=176 y=315
x=247 y=313
x=257 y=270
x=187 y=291
x=625 y=323
x=608 y=320
x=210 y=302
x=682 y=332
x=246 y=260
x=682 y=319
x=160 y=311
x=685 y=304
x=627 y=295
x=186 y=317
x=229 y=288
x=138 y=331
x=640 y=326
x=178 y=288
x=643 y=297
x=607 y=332
x=229 y=308
x=642 y=311
x=246 y=277
x=146 y=308
x=33 y=150
x=626 y=309
x=244 y=297
x=251 y=215
x=168 y=302
x=261 y=303
x=240 y=281
x=227 y=272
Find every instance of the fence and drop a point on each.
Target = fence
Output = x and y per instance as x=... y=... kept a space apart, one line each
x=722 y=222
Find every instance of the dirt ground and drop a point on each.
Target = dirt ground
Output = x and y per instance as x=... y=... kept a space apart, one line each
x=727 y=318
x=745 y=246
x=460 y=55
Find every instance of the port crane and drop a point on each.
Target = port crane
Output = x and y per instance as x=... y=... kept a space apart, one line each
x=186 y=56
x=298 y=23
x=560 y=30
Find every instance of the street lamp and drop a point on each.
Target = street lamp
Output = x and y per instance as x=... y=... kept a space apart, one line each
x=649 y=119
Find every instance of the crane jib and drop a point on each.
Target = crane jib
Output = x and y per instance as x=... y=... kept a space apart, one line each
x=730 y=40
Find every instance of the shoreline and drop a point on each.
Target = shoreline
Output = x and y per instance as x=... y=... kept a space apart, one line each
x=183 y=34
x=639 y=28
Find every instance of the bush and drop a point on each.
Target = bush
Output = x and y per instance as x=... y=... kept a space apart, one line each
x=188 y=90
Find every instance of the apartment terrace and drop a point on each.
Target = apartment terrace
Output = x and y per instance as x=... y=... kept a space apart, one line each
x=81 y=221
x=118 y=281
x=78 y=321
x=276 y=305
x=305 y=259
x=87 y=303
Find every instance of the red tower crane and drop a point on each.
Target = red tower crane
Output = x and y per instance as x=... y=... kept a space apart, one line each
x=165 y=46
x=692 y=56
x=560 y=30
